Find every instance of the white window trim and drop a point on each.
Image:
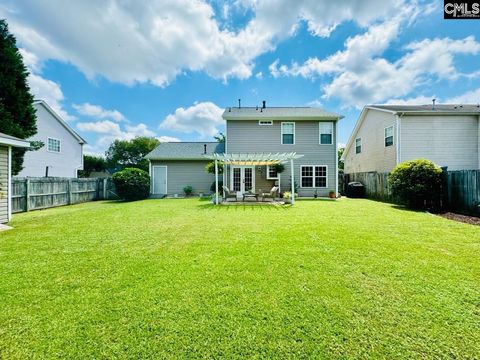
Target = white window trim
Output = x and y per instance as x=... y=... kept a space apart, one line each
x=314 y=187
x=385 y=136
x=294 y=132
x=320 y=132
x=361 y=145
x=265 y=122
x=59 y=145
x=268 y=174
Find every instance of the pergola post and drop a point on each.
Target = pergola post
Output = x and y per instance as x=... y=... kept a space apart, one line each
x=216 y=182
x=292 y=181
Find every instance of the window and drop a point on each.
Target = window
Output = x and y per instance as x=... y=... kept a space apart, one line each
x=313 y=176
x=358 y=146
x=265 y=122
x=288 y=133
x=53 y=145
x=271 y=172
x=326 y=133
x=389 y=136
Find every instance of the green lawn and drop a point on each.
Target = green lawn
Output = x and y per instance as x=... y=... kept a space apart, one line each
x=183 y=278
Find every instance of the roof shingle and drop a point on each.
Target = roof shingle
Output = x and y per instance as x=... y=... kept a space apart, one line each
x=185 y=150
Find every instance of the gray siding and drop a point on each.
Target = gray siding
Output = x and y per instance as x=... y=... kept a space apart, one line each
x=62 y=164
x=374 y=156
x=181 y=173
x=451 y=141
x=249 y=137
x=3 y=184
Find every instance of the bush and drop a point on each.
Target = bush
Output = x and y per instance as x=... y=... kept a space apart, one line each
x=188 y=190
x=212 y=187
x=132 y=184
x=210 y=167
x=279 y=168
x=418 y=183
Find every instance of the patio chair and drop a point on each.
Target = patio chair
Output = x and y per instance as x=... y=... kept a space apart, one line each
x=270 y=195
x=229 y=194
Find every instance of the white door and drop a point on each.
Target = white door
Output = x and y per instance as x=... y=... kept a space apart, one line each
x=159 y=180
x=242 y=179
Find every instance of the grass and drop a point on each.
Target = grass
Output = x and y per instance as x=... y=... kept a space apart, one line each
x=182 y=278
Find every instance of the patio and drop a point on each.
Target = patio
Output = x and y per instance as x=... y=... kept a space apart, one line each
x=242 y=169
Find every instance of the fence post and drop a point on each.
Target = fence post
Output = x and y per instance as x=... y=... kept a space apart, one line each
x=69 y=189
x=27 y=194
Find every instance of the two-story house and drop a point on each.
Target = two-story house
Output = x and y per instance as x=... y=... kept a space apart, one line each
x=62 y=153
x=386 y=135
x=256 y=139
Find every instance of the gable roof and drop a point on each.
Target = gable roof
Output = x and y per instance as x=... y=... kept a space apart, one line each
x=279 y=113
x=185 y=150
x=60 y=120
x=13 y=141
x=427 y=110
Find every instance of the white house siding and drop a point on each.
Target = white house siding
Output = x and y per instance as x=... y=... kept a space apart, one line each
x=63 y=164
x=246 y=136
x=374 y=156
x=446 y=140
x=181 y=173
x=3 y=184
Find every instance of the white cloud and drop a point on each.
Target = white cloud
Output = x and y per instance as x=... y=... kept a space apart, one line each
x=168 y=139
x=470 y=97
x=360 y=75
x=100 y=127
x=203 y=118
x=154 y=41
x=96 y=111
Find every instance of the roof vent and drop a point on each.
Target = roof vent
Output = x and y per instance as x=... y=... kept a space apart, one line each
x=204 y=148
x=433 y=104
x=239 y=103
x=264 y=104
x=229 y=109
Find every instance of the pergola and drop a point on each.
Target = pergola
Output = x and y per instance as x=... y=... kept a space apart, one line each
x=254 y=159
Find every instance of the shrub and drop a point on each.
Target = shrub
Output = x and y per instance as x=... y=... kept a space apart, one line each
x=188 y=190
x=132 y=184
x=418 y=183
x=210 y=167
x=279 y=168
x=212 y=187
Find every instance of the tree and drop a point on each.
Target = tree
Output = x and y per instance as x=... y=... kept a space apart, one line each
x=17 y=113
x=130 y=153
x=340 y=161
x=92 y=163
x=220 y=137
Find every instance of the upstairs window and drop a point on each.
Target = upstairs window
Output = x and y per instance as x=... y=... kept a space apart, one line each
x=265 y=122
x=271 y=172
x=53 y=145
x=313 y=176
x=326 y=133
x=358 y=146
x=388 y=136
x=288 y=133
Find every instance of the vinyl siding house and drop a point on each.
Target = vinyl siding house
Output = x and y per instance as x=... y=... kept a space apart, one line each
x=178 y=164
x=6 y=144
x=62 y=154
x=255 y=137
x=386 y=135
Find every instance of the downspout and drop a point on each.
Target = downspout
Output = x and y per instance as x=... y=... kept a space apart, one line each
x=9 y=185
x=336 y=158
x=398 y=119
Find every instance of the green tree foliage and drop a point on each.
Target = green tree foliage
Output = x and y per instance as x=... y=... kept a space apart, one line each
x=17 y=113
x=91 y=164
x=130 y=153
x=418 y=183
x=340 y=161
x=132 y=184
x=210 y=167
x=220 y=137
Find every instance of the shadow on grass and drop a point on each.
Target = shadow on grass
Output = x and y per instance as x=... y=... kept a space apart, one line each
x=244 y=207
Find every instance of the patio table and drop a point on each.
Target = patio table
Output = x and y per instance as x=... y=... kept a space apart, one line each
x=246 y=196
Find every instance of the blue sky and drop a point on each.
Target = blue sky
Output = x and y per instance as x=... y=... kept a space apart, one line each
x=168 y=68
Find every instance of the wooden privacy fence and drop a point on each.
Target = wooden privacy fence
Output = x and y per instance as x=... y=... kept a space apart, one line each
x=41 y=193
x=461 y=189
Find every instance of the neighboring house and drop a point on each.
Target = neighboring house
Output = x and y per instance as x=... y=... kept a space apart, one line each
x=256 y=137
x=6 y=144
x=386 y=135
x=176 y=165
x=62 y=154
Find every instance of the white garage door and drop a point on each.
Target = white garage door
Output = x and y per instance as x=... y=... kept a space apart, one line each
x=159 y=180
